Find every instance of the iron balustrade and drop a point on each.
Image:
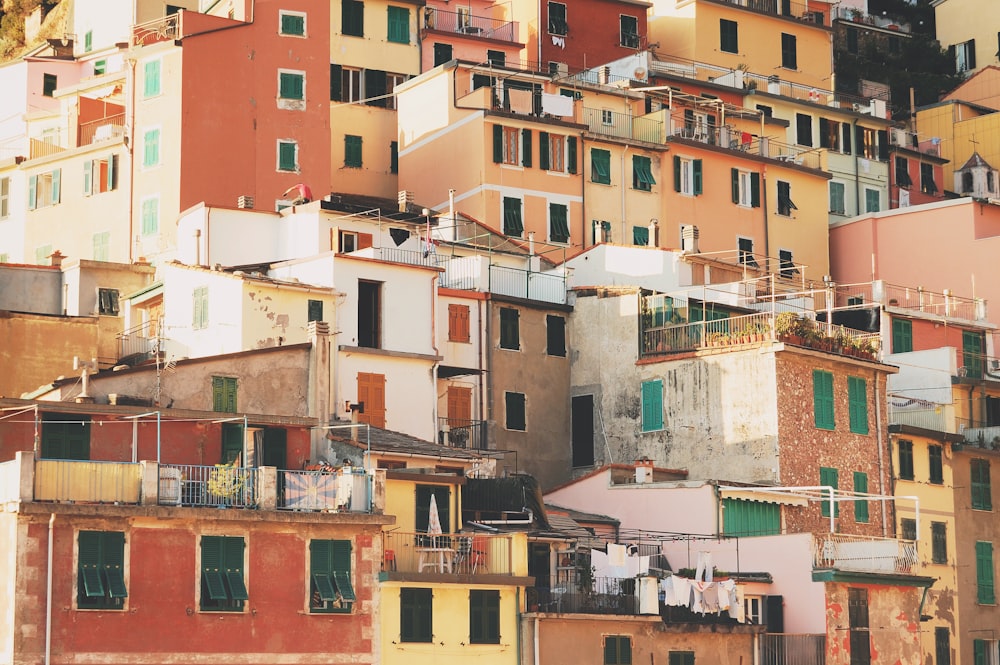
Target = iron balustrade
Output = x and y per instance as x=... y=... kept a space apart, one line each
x=88 y=481
x=343 y=491
x=163 y=29
x=791 y=649
x=101 y=129
x=468 y=24
x=460 y=433
x=219 y=486
x=864 y=553
x=623 y=125
x=454 y=554
x=139 y=342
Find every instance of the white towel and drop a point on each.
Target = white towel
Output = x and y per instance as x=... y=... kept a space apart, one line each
x=520 y=100
x=725 y=594
x=616 y=555
x=560 y=105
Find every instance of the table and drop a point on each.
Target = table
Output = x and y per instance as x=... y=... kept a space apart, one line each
x=439 y=558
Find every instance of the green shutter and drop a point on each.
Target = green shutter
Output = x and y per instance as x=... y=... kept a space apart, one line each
x=857 y=399
x=734 y=175
x=972 y=354
x=982 y=491
x=829 y=477
x=399 y=25
x=696 y=175
x=292 y=24
x=90 y=563
x=755 y=190
x=750 y=518
x=984 y=573
x=652 y=405
x=677 y=173
x=352 y=151
x=559 y=230
x=151 y=78
x=211 y=567
x=56 y=179
x=571 y=154
x=88 y=175
x=526 y=147
x=902 y=336
x=860 y=507
x=32 y=192
x=336 y=71
x=497 y=143
x=979 y=652
x=290 y=86
x=823 y=399
x=543 y=151
x=341 y=563
x=600 y=164
x=151 y=148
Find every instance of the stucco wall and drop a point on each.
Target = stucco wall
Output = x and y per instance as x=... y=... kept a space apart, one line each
x=894 y=624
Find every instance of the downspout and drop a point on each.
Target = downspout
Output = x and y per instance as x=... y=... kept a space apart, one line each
x=881 y=458
x=622 y=187
x=130 y=147
x=537 y=623
x=857 y=173
x=482 y=363
x=767 y=217
x=434 y=367
x=48 y=593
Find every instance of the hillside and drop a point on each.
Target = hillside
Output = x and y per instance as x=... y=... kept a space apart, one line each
x=13 y=14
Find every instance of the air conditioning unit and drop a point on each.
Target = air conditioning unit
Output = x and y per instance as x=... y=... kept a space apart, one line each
x=861 y=108
x=897 y=136
x=561 y=69
x=995 y=364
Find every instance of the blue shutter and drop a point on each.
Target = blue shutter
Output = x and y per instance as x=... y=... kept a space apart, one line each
x=88 y=175
x=652 y=405
x=32 y=192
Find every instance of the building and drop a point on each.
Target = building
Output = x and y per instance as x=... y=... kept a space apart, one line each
x=959 y=35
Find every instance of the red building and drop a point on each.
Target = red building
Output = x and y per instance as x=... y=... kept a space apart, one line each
x=916 y=170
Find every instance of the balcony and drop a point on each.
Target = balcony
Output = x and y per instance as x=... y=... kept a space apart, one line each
x=139 y=343
x=783 y=8
x=341 y=491
x=103 y=129
x=474 y=273
x=39 y=148
x=857 y=16
x=466 y=24
x=864 y=554
x=87 y=482
x=220 y=486
x=163 y=29
x=449 y=554
x=458 y=433
x=789 y=649
x=623 y=125
x=929 y=302
x=728 y=137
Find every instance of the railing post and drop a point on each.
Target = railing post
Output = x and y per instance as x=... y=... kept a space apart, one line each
x=266 y=487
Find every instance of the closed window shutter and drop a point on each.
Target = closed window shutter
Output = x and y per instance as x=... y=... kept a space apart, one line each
x=375 y=87
x=829 y=477
x=755 y=190
x=677 y=173
x=88 y=175
x=652 y=405
x=984 y=573
x=212 y=568
x=90 y=563
x=497 y=144
x=56 y=178
x=543 y=150
x=734 y=175
x=571 y=154
x=526 y=147
x=336 y=71
x=860 y=507
x=823 y=399
x=340 y=555
x=696 y=176
x=112 y=172
x=858 y=404
x=32 y=192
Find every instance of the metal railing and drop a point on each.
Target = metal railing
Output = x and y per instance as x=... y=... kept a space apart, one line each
x=459 y=433
x=220 y=486
x=468 y=24
x=157 y=30
x=86 y=481
x=451 y=554
x=341 y=491
x=411 y=257
x=102 y=129
x=984 y=437
x=858 y=16
x=786 y=8
x=789 y=649
x=938 y=304
x=598 y=595
x=939 y=418
x=623 y=125
x=528 y=284
x=864 y=553
x=139 y=342
x=39 y=148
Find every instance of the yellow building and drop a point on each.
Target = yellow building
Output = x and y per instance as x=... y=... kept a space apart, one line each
x=968 y=30
x=958 y=129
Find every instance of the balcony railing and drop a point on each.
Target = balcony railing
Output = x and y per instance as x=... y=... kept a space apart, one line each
x=937 y=304
x=598 y=595
x=467 y=24
x=450 y=554
x=731 y=139
x=940 y=418
x=411 y=257
x=340 y=491
x=220 y=486
x=39 y=148
x=138 y=343
x=789 y=649
x=984 y=437
x=623 y=125
x=864 y=554
x=796 y=10
x=527 y=284
x=102 y=130
x=89 y=482
x=458 y=433
x=163 y=29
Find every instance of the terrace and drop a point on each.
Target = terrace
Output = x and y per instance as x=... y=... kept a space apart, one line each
x=449 y=554
x=464 y=23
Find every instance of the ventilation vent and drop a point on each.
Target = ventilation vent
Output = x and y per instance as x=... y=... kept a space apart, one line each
x=244 y=202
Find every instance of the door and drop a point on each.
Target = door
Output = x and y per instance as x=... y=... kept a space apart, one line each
x=460 y=423
x=371 y=392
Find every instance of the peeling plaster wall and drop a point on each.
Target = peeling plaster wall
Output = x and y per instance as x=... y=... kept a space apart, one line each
x=893 y=620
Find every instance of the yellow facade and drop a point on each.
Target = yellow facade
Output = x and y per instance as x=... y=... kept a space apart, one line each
x=959 y=21
x=960 y=131
x=804 y=230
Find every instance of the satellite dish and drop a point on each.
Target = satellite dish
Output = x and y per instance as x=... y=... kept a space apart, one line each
x=639 y=73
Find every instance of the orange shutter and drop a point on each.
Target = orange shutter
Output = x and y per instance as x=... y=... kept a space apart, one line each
x=371 y=391
x=459 y=406
x=364 y=240
x=458 y=323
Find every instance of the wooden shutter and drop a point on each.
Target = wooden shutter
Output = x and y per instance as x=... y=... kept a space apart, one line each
x=823 y=399
x=543 y=151
x=571 y=154
x=582 y=435
x=860 y=507
x=526 y=147
x=459 y=406
x=211 y=568
x=857 y=399
x=734 y=175
x=755 y=190
x=497 y=144
x=336 y=71
x=32 y=192
x=371 y=391
x=830 y=477
x=652 y=405
x=90 y=563
x=458 y=323
x=677 y=173
x=984 y=572
x=88 y=177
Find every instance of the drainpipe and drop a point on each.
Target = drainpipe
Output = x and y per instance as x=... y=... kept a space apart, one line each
x=857 y=173
x=537 y=623
x=434 y=346
x=622 y=188
x=130 y=148
x=48 y=594
x=881 y=460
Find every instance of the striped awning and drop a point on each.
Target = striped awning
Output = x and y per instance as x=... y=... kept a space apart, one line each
x=762 y=495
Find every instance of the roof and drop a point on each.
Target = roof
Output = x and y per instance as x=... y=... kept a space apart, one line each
x=356 y=204
x=976 y=161
x=396 y=443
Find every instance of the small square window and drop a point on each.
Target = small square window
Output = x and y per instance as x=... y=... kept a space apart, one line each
x=288 y=156
x=49 y=83
x=293 y=24
x=291 y=85
x=107 y=302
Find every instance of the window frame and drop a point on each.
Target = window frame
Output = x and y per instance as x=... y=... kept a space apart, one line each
x=558 y=26
x=459 y=329
x=515 y=404
x=223 y=588
x=824 y=412
x=101 y=567
x=288 y=89
x=600 y=166
x=329 y=585
x=927 y=184
x=555 y=335
x=902 y=174
x=510 y=329
x=617 y=650
x=559 y=232
x=651 y=406
x=687 y=176
x=285 y=13
x=416 y=615
x=484 y=616
x=729 y=36
x=282 y=148
x=626 y=38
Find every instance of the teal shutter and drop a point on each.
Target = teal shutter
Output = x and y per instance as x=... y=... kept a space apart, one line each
x=860 y=507
x=571 y=154
x=902 y=336
x=696 y=176
x=290 y=86
x=984 y=573
x=600 y=164
x=56 y=179
x=88 y=175
x=341 y=564
x=526 y=147
x=857 y=399
x=750 y=518
x=652 y=405
x=151 y=78
x=292 y=24
x=32 y=192
x=90 y=563
x=823 y=399
x=399 y=25
x=321 y=570
x=755 y=190
x=151 y=148
x=497 y=144
x=286 y=156
x=113 y=558
x=972 y=354
x=829 y=477
x=979 y=652
x=232 y=561
x=212 y=568
x=543 y=151
x=677 y=173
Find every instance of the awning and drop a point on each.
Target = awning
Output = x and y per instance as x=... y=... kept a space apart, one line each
x=763 y=496
x=101 y=93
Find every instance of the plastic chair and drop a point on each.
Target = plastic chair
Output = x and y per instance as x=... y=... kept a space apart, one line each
x=389 y=560
x=479 y=554
x=463 y=551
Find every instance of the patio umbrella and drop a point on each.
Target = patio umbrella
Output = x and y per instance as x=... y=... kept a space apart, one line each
x=433 y=519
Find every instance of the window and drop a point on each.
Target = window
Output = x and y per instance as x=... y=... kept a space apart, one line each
x=369 y=314
x=927 y=185
x=442 y=53
x=558 y=223
x=582 y=424
x=617 y=650
x=65 y=436
x=399 y=25
x=607 y=117
x=942 y=646
x=652 y=405
x=199 y=309
x=902 y=336
x=982 y=492
x=829 y=134
x=151 y=79
x=602 y=231
x=352 y=18
x=100 y=580
x=972 y=354
x=150 y=213
x=222 y=585
x=905 y=461
x=416 y=615
x=292 y=23
x=100 y=175
x=750 y=518
x=939 y=542
x=823 y=399
x=829 y=477
x=151 y=147
x=4 y=198
x=102 y=246
x=903 y=172
x=509 y=329
x=291 y=85
x=935 y=465
x=393 y=157
x=224 y=394
x=42 y=254
x=860 y=506
x=729 y=36
x=345 y=84
x=745 y=188
x=852 y=40
x=496 y=58
x=484 y=616
x=515 y=411
x=965 y=56
x=600 y=166
x=557 y=152
x=640 y=236
x=837 y=205
x=458 y=323
x=789 y=59
x=330 y=587
x=908 y=528
x=44 y=189
x=982 y=651
x=865 y=140
x=88 y=41
x=745 y=252
x=314 y=310
x=511 y=146
x=857 y=612
x=557 y=19
x=803 y=129
x=687 y=176
x=785 y=203
x=857 y=400
x=629 y=31
x=786 y=266
x=555 y=333
x=107 y=302
x=872 y=200
x=352 y=152
x=288 y=156
x=984 y=573
x=49 y=82
x=680 y=658
x=512 y=224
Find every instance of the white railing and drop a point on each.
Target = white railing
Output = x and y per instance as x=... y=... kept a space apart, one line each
x=864 y=553
x=91 y=482
x=988 y=437
x=939 y=419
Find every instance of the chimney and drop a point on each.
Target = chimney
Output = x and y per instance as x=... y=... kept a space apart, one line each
x=689 y=239
x=653 y=227
x=56 y=259
x=643 y=470
x=404 y=198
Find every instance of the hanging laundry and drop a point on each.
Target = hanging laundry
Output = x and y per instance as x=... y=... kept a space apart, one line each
x=520 y=100
x=559 y=105
x=558 y=41
x=710 y=598
x=616 y=555
x=726 y=588
x=682 y=592
x=704 y=570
